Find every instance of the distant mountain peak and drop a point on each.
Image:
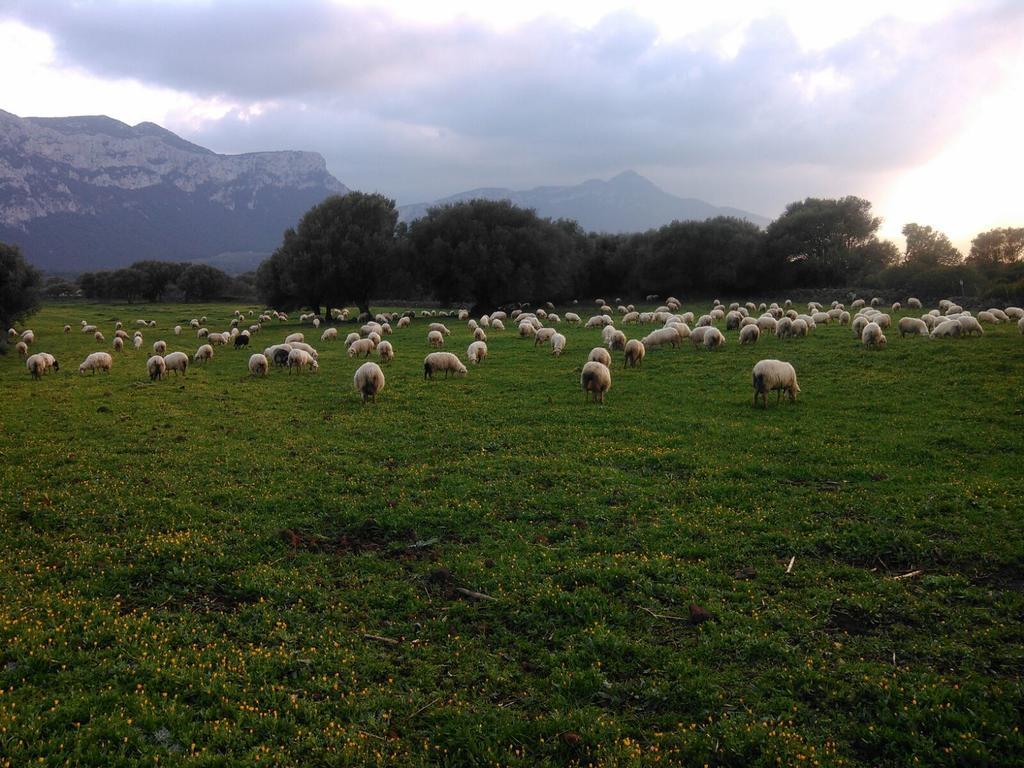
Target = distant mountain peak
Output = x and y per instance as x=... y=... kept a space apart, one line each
x=90 y=191
x=627 y=202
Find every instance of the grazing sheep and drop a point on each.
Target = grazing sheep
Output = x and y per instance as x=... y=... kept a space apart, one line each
x=707 y=336
x=118 y=344
x=999 y=315
x=28 y=337
x=204 y=353
x=476 y=352
x=294 y=337
x=783 y=328
x=368 y=381
x=21 y=348
x=774 y=375
x=616 y=341
x=98 y=336
x=442 y=361
x=600 y=355
x=557 y=344
x=385 y=352
x=88 y=329
x=217 y=338
x=159 y=347
x=137 y=342
x=97 y=361
x=596 y=379
x=988 y=317
x=767 y=324
x=67 y=329
x=436 y=338
x=1014 y=313
x=242 y=340
x=156 y=367
x=177 y=362
x=844 y=318
x=543 y=335
x=404 y=322
x=360 y=347
x=440 y=328
x=749 y=334
x=857 y=304
x=301 y=359
x=913 y=303
x=351 y=339
x=635 y=351
x=258 y=364
x=912 y=326
x=667 y=335
x=946 y=329
x=479 y=334
x=800 y=328
x=969 y=325
x=857 y=326
x=40 y=363
x=872 y=336
x=177 y=330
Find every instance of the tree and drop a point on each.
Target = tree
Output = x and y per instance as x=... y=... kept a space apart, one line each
x=155 y=276
x=929 y=247
x=822 y=238
x=201 y=282
x=336 y=254
x=997 y=246
x=19 y=288
x=492 y=253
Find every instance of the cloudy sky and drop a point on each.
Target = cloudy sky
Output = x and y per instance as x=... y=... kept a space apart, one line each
x=918 y=106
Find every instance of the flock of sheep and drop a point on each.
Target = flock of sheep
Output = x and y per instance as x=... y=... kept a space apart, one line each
x=868 y=324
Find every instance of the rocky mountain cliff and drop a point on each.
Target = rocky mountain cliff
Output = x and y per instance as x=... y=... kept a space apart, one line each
x=79 y=193
x=625 y=203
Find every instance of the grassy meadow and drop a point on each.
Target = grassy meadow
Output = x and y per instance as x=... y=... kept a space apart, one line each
x=221 y=570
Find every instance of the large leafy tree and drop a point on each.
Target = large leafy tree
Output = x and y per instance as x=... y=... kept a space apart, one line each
x=997 y=246
x=821 y=239
x=928 y=247
x=335 y=255
x=492 y=253
x=201 y=282
x=20 y=284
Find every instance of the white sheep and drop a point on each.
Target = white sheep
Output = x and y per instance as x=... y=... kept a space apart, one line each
x=442 y=361
x=440 y=328
x=385 y=352
x=97 y=361
x=157 y=367
x=600 y=355
x=749 y=334
x=946 y=329
x=543 y=335
x=360 y=347
x=800 y=328
x=707 y=336
x=67 y=329
x=301 y=359
x=616 y=341
x=258 y=364
x=435 y=339
x=40 y=363
x=294 y=337
x=988 y=317
x=767 y=324
x=329 y=334
x=872 y=336
x=667 y=335
x=1014 y=313
x=204 y=353
x=969 y=325
x=177 y=362
x=476 y=352
x=784 y=328
x=774 y=375
x=634 y=353
x=596 y=380
x=557 y=344
x=912 y=326
x=368 y=381
x=403 y=322
x=159 y=347
x=29 y=337
x=999 y=315
x=913 y=303
x=98 y=336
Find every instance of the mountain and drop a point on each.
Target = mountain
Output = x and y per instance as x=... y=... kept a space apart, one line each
x=81 y=193
x=625 y=203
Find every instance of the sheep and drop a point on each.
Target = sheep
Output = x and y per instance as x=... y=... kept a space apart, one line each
x=1020 y=324
x=857 y=304
x=88 y=329
x=435 y=339
x=137 y=342
x=668 y=335
x=857 y=326
x=913 y=303
x=442 y=361
x=988 y=317
x=67 y=329
x=749 y=334
x=821 y=317
x=634 y=353
x=202 y=333
x=159 y=347
x=600 y=355
x=526 y=330
x=497 y=325
x=217 y=338
x=800 y=328
x=368 y=381
x=596 y=380
x=360 y=347
x=177 y=330
x=97 y=361
x=912 y=326
x=476 y=352
x=177 y=362
x=204 y=353
x=242 y=340
x=767 y=324
x=157 y=367
x=999 y=315
x=1014 y=313
x=616 y=341
x=294 y=337
x=774 y=375
x=570 y=317
x=872 y=336
x=403 y=322
x=118 y=344
x=40 y=363
x=557 y=344
x=479 y=334
x=844 y=318
x=708 y=337
x=98 y=336
x=969 y=325
x=258 y=364
x=947 y=328
x=783 y=328
x=598 y=321
x=543 y=335
x=876 y=302
x=440 y=328
x=301 y=359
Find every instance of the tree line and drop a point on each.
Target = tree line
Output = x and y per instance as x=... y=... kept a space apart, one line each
x=156 y=281
x=485 y=253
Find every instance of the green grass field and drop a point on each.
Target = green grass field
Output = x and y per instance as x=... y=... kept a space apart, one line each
x=219 y=570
